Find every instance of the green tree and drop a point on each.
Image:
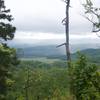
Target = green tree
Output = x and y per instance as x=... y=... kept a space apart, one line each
x=6 y=29
x=7 y=59
x=85 y=81
x=7 y=54
x=39 y=84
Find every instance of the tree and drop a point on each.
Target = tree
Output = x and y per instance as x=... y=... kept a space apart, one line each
x=92 y=14
x=65 y=22
x=6 y=29
x=7 y=54
x=85 y=81
x=7 y=59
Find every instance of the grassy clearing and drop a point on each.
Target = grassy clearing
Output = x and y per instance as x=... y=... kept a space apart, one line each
x=41 y=59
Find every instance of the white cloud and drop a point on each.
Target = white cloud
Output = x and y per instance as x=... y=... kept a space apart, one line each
x=39 y=36
x=50 y=38
x=46 y=16
x=39 y=21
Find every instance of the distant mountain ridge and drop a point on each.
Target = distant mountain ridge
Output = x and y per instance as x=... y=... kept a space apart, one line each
x=39 y=51
x=53 y=52
x=89 y=52
x=73 y=47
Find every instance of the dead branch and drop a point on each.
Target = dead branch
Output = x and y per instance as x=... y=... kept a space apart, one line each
x=61 y=45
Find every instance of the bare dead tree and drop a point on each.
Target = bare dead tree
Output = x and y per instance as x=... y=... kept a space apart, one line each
x=65 y=22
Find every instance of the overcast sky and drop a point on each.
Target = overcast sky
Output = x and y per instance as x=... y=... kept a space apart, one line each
x=41 y=19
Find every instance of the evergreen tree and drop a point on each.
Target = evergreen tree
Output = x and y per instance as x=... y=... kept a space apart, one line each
x=7 y=54
x=6 y=29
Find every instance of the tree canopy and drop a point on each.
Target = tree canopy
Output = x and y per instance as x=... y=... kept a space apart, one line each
x=6 y=29
x=7 y=54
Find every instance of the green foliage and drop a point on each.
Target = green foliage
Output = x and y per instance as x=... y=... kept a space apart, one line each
x=7 y=59
x=39 y=64
x=85 y=80
x=39 y=84
x=7 y=55
x=6 y=29
x=33 y=82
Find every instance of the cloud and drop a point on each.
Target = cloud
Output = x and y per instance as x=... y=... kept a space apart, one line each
x=39 y=21
x=39 y=36
x=51 y=38
x=46 y=16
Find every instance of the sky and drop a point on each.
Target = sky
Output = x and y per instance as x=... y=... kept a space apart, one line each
x=39 y=21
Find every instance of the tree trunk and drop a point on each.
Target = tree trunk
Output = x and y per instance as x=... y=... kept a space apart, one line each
x=67 y=34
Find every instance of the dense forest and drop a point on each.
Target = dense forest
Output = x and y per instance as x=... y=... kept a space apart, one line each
x=47 y=75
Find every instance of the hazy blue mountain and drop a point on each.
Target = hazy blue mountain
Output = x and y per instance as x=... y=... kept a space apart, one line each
x=73 y=47
x=39 y=51
x=91 y=52
x=51 y=51
x=93 y=55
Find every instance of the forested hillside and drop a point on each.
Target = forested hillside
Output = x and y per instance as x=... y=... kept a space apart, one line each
x=51 y=52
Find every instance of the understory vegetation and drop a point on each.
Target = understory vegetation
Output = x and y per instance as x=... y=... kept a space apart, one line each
x=34 y=80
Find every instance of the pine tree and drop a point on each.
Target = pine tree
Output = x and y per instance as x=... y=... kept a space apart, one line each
x=6 y=29
x=7 y=54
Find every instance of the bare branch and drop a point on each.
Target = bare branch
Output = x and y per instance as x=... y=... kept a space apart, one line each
x=64 y=21
x=96 y=30
x=66 y=1
x=94 y=13
x=88 y=19
x=61 y=45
